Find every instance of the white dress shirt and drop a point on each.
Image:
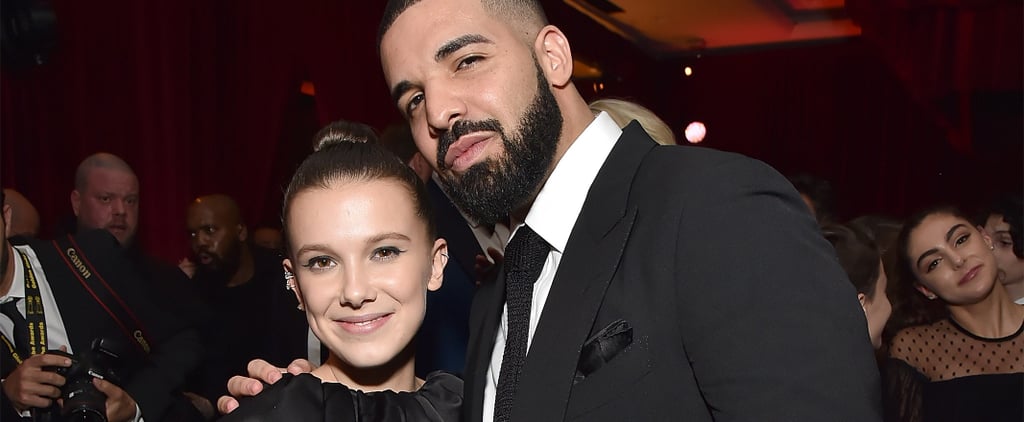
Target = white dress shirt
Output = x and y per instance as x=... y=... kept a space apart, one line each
x=56 y=333
x=553 y=216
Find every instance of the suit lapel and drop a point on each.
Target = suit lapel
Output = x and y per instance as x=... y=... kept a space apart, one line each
x=588 y=264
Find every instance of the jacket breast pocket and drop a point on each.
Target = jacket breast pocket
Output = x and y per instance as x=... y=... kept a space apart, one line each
x=615 y=379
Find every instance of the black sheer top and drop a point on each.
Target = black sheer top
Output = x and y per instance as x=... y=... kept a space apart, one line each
x=305 y=398
x=942 y=372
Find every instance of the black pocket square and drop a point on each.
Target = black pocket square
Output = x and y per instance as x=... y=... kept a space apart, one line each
x=602 y=347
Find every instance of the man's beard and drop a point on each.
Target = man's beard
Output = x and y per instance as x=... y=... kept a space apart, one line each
x=220 y=268
x=490 y=190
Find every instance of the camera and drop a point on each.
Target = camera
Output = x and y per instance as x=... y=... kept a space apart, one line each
x=82 y=401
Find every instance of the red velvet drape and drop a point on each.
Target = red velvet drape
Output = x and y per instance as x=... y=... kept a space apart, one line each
x=198 y=96
x=203 y=97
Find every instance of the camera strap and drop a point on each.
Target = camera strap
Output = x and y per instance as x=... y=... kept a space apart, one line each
x=34 y=323
x=100 y=290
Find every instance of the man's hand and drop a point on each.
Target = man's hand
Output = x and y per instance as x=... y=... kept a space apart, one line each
x=187 y=266
x=120 y=406
x=30 y=386
x=259 y=370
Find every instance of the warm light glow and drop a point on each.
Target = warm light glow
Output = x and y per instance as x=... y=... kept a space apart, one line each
x=695 y=132
x=598 y=87
x=687 y=70
x=307 y=88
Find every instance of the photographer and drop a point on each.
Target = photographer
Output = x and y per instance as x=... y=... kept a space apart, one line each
x=103 y=323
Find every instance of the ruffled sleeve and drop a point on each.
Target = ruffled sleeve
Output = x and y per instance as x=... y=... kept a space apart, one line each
x=304 y=397
x=439 y=399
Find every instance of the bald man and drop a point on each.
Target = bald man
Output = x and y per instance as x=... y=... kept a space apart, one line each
x=251 y=313
x=106 y=196
x=25 y=218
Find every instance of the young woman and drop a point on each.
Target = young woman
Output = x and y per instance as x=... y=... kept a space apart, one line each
x=968 y=364
x=362 y=254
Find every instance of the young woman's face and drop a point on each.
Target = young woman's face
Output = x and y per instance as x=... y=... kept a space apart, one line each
x=363 y=263
x=952 y=259
x=877 y=309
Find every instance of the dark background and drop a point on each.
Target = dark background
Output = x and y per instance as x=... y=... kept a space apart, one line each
x=204 y=96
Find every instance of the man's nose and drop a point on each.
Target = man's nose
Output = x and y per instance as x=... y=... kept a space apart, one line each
x=443 y=107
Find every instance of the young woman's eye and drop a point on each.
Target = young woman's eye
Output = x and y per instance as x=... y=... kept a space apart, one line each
x=963 y=238
x=320 y=263
x=932 y=265
x=386 y=253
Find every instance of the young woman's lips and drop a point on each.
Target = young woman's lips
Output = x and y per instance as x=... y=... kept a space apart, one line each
x=466 y=151
x=363 y=324
x=969 y=276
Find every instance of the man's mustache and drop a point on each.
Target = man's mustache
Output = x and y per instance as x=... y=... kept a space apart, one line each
x=460 y=129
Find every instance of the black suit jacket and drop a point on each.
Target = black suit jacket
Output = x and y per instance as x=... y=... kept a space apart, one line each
x=441 y=339
x=708 y=264
x=151 y=380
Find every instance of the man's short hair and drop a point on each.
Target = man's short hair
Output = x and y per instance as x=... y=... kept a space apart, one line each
x=95 y=161
x=513 y=11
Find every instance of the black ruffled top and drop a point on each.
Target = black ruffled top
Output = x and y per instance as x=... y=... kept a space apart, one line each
x=305 y=398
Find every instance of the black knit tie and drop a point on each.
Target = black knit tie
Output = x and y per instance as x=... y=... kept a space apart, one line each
x=524 y=259
x=10 y=309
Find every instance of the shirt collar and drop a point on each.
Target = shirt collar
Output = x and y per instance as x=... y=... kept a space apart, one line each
x=560 y=201
x=18 y=282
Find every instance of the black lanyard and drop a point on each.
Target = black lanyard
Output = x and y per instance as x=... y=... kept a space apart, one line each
x=33 y=314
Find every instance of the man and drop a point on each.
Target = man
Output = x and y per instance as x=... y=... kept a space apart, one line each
x=25 y=221
x=250 y=312
x=106 y=196
x=711 y=298
x=62 y=285
x=1001 y=219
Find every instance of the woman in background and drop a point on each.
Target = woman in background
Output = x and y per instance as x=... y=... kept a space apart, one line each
x=966 y=365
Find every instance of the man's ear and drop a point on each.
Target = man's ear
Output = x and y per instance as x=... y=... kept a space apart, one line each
x=76 y=201
x=7 y=220
x=554 y=55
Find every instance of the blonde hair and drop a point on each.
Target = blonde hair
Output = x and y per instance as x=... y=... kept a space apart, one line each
x=623 y=112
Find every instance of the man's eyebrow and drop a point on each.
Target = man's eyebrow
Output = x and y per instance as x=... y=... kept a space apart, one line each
x=399 y=90
x=454 y=45
x=442 y=53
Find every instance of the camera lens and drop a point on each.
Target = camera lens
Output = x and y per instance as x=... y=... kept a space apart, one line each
x=84 y=403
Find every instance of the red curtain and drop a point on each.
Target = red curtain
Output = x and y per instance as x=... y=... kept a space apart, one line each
x=198 y=96
x=203 y=96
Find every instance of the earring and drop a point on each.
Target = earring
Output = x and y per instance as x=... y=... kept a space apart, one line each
x=554 y=66
x=288 y=277
x=931 y=297
x=992 y=247
x=300 y=307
